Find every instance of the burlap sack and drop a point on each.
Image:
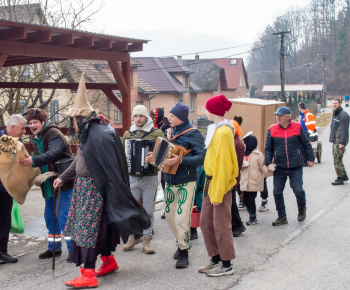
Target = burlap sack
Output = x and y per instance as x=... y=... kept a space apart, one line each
x=17 y=179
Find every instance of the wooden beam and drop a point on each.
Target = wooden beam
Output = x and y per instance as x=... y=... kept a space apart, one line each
x=63 y=39
x=14 y=33
x=135 y=47
x=103 y=44
x=3 y=57
x=126 y=98
x=43 y=50
x=39 y=36
x=110 y=95
x=83 y=42
x=119 y=78
x=120 y=46
x=60 y=86
x=30 y=60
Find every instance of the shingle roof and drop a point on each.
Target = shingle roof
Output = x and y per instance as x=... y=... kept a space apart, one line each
x=232 y=71
x=206 y=74
x=158 y=73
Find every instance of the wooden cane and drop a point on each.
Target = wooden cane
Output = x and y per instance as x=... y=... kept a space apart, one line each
x=54 y=233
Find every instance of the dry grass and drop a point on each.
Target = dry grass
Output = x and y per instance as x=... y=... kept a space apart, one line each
x=323 y=120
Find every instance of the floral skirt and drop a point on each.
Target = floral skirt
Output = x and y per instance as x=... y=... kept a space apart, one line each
x=85 y=213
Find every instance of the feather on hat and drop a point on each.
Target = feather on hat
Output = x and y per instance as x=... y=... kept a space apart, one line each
x=81 y=105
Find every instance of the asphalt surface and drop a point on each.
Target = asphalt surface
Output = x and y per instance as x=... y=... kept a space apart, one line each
x=313 y=254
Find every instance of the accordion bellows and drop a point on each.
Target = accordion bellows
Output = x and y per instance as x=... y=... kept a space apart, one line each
x=163 y=150
x=136 y=150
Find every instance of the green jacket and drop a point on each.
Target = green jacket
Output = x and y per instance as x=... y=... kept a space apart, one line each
x=140 y=132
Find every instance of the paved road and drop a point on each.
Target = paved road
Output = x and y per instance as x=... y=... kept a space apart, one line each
x=309 y=255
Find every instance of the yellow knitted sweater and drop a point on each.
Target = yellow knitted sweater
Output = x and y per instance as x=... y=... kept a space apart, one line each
x=221 y=163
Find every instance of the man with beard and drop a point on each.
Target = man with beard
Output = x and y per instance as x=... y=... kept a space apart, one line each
x=16 y=127
x=141 y=185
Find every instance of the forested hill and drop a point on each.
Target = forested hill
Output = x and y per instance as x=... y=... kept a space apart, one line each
x=318 y=31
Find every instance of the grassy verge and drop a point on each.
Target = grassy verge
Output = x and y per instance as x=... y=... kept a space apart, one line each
x=323 y=119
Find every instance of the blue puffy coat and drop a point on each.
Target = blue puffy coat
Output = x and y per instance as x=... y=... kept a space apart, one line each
x=187 y=170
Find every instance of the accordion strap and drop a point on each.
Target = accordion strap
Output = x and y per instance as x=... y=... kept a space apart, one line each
x=182 y=133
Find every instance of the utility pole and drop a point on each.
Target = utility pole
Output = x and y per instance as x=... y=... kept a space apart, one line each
x=281 y=34
x=324 y=91
x=308 y=66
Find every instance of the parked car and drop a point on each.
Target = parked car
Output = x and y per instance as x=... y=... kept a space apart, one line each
x=203 y=122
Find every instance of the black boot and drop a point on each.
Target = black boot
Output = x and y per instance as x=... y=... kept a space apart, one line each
x=345 y=178
x=177 y=254
x=182 y=262
x=69 y=260
x=49 y=254
x=338 y=181
x=194 y=234
x=6 y=258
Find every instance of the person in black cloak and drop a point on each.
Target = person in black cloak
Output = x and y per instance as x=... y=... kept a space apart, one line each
x=102 y=208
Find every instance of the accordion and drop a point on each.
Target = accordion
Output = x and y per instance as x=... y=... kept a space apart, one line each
x=136 y=150
x=163 y=150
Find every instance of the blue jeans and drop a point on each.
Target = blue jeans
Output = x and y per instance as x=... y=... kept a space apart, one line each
x=61 y=219
x=296 y=183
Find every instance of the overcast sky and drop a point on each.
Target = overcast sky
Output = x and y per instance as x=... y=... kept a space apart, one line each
x=180 y=27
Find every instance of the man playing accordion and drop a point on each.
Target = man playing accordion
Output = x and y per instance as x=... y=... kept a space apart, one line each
x=143 y=176
x=179 y=189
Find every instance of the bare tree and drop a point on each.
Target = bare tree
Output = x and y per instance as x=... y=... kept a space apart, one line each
x=71 y=14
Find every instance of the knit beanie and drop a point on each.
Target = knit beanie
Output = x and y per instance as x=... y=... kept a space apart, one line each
x=35 y=113
x=218 y=105
x=180 y=111
x=139 y=110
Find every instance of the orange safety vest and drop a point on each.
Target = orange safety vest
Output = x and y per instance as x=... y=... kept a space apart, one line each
x=310 y=121
x=238 y=131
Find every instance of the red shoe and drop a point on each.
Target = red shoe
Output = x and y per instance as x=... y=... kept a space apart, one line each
x=109 y=265
x=87 y=279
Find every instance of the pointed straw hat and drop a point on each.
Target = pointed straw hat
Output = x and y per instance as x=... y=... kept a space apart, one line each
x=81 y=105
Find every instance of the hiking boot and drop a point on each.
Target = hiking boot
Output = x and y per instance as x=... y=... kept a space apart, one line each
x=264 y=205
x=338 y=181
x=241 y=207
x=252 y=220
x=49 y=254
x=220 y=270
x=146 y=245
x=345 y=177
x=239 y=231
x=182 y=262
x=206 y=268
x=109 y=265
x=177 y=253
x=281 y=220
x=302 y=214
x=69 y=260
x=6 y=258
x=131 y=243
x=87 y=279
x=194 y=234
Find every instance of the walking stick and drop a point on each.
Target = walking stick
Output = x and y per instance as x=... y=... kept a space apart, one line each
x=54 y=233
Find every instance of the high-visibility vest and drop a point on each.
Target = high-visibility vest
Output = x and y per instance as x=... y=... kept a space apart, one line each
x=310 y=121
x=238 y=131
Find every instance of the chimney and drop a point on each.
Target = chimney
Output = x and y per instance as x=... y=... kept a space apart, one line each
x=179 y=57
x=196 y=57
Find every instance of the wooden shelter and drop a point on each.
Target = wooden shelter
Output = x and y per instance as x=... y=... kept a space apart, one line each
x=24 y=44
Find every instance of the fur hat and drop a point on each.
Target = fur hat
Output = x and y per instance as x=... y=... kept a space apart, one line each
x=139 y=110
x=35 y=113
x=81 y=105
x=218 y=105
